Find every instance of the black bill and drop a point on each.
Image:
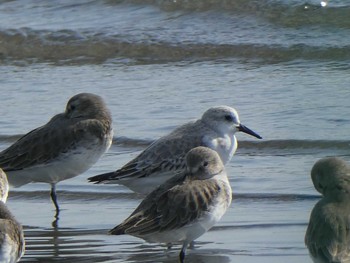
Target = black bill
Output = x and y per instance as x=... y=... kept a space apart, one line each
x=245 y=129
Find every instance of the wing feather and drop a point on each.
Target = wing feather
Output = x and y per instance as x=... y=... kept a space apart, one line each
x=47 y=142
x=164 y=155
x=170 y=207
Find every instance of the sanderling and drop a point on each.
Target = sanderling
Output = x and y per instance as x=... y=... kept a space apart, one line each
x=68 y=145
x=184 y=207
x=4 y=186
x=166 y=156
x=12 y=244
x=327 y=236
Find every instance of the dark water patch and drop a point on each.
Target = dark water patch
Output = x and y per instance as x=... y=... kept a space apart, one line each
x=286 y=13
x=73 y=195
x=297 y=144
x=130 y=142
x=276 y=147
x=266 y=147
x=68 y=46
x=100 y=196
x=259 y=145
x=263 y=144
x=275 y=197
x=311 y=15
x=260 y=226
x=295 y=12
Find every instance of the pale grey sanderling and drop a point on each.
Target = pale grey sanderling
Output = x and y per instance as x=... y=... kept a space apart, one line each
x=4 y=186
x=166 y=156
x=11 y=234
x=68 y=145
x=184 y=207
x=12 y=243
x=327 y=236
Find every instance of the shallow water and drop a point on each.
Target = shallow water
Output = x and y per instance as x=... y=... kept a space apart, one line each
x=284 y=65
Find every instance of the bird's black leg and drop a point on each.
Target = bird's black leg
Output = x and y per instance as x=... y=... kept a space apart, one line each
x=182 y=256
x=54 y=199
x=182 y=253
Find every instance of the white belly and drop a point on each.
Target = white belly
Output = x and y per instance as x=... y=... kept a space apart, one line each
x=65 y=166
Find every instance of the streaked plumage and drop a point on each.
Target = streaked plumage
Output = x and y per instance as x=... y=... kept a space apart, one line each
x=184 y=207
x=68 y=145
x=166 y=156
x=328 y=233
x=12 y=244
x=4 y=186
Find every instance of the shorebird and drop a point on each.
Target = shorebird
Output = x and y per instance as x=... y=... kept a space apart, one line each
x=328 y=233
x=184 y=207
x=68 y=145
x=166 y=156
x=12 y=244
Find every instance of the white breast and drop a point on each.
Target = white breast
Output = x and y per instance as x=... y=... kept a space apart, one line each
x=225 y=146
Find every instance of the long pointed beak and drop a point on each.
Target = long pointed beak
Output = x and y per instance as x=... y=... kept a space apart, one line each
x=245 y=129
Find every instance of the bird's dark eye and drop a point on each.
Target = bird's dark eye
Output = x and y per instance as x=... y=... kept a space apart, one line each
x=205 y=164
x=228 y=118
x=72 y=107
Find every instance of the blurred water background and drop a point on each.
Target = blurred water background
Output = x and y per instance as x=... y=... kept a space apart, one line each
x=283 y=64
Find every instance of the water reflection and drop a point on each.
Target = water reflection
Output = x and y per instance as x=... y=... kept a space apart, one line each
x=63 y=244
x=81 y=245
x=194 y=256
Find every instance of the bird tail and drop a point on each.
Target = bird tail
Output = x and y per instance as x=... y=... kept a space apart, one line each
x=102 y=178
x=117 y=231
